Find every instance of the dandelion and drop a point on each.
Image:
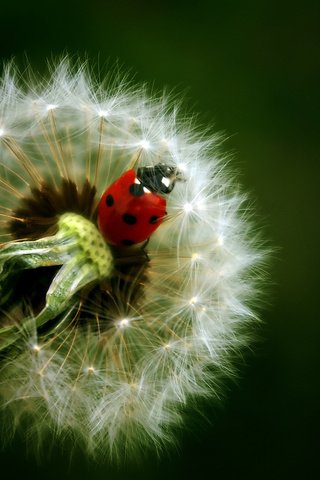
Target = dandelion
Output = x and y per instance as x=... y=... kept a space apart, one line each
x=105 y=341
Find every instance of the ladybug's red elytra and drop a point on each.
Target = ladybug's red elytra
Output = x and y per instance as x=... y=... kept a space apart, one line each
x=133 y=207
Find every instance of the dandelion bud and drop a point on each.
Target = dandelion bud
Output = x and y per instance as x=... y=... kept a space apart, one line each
x=127 y=264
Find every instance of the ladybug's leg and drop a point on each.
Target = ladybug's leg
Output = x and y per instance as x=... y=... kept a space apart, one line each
x=145 y=244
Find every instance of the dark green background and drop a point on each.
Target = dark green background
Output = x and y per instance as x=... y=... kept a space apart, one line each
x=252 y=69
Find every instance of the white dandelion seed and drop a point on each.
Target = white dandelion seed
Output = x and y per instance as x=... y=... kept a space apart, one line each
x=99 y=343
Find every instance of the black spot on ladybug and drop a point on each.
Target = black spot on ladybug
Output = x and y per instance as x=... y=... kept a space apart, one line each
x=129 y=219
x=127 y=243
x=136 y=189
x=109 y=200
x=153 y=219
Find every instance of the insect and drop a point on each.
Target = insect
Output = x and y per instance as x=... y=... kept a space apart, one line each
x=133 y=207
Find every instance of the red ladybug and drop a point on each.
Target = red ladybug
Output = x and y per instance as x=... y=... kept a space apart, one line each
x=132 y=208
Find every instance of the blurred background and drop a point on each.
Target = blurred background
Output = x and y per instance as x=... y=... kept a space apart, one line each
x=251 y=69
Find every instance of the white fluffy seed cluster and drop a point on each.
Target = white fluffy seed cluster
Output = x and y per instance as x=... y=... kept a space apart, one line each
x=120 y=386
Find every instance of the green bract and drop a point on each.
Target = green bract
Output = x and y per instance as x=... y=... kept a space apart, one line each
x=78 y=248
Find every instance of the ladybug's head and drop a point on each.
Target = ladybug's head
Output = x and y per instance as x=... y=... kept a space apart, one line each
x=159 y=178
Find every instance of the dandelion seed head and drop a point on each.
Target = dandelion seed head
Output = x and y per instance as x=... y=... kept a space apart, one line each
x=90 y=370
x=124 y=323
x=103 y=113
x=36 y=348
x=220 y=240
x=145 y=144
x=51 y=106
x=195 y=257
x=193 y=300
x=188 y=207
x=105 y=344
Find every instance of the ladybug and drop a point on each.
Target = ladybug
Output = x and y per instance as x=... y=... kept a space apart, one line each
x=133 y=207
